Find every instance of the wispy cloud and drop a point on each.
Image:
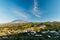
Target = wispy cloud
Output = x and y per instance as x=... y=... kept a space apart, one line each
x=35 y=5
x=20 y=12
x=35 y=10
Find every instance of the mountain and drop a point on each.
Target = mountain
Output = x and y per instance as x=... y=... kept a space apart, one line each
x=20 y=21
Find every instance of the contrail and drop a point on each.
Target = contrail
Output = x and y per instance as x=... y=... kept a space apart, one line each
x=35 y=9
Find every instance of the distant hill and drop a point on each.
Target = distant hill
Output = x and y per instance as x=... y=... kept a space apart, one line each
x=19 y=21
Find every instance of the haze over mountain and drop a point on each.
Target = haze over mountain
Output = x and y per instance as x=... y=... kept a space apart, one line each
x=20 y=21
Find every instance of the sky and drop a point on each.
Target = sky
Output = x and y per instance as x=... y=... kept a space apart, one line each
x=32 y=10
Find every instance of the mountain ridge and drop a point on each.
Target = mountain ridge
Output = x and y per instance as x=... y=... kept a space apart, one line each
x=20 y=21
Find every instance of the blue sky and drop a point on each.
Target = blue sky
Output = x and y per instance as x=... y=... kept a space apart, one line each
x=32 y=10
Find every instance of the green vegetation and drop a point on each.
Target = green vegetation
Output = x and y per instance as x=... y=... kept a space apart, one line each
x=22 y=26
x=15 y=31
